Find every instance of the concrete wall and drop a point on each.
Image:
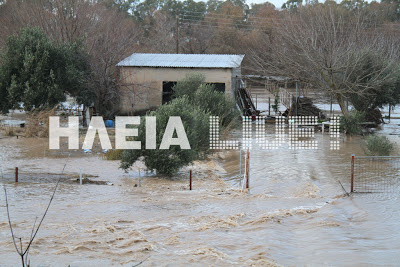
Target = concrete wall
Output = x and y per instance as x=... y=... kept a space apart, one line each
x=142 y=86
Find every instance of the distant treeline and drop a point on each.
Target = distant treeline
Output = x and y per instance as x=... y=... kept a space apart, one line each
x=306 y=41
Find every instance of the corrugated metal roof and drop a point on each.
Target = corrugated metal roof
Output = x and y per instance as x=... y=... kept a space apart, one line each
x=182 y=60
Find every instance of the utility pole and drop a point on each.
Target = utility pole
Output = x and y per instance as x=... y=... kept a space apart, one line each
x=177 y=34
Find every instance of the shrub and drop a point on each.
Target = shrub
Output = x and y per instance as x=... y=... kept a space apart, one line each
x=215 y=103
x=352 y=124
x=207 y=98
x=113 y=154
x=275 y=106
x=188 y=85
x=169 y=161
x=194 y=101
x=377 y=145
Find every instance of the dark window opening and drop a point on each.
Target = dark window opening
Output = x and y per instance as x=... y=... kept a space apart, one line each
x=220 y=87
x=167 y=91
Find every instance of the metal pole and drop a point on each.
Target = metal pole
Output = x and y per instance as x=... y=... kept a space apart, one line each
x=269 y=106
x=390 y=108
x=80 y=176
x=16 y=174
x=190 y=180
x=352 y=174
x=240 y=161
x=247 y=168
x=140 y=184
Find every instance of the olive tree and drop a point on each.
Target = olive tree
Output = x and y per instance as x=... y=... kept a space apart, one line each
x=194 y=101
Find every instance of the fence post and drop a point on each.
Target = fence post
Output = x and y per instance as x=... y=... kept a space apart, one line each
x=247 y=168
x=190 y=180
x=352 y=174
x=16 y=174
x=240 y=161
x=140 y=182
x=269 y=106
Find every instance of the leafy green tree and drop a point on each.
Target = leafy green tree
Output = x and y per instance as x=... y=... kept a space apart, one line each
x=292 y=4
x=194 y=102
x=213 y=5
x=168 y=161
x=205 y=96
x=372 y=66
x=38 y=72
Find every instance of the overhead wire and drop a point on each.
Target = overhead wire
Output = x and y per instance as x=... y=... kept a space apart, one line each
x=244 y=25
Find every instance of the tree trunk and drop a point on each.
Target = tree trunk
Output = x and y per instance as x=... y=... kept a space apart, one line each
x=342 y=105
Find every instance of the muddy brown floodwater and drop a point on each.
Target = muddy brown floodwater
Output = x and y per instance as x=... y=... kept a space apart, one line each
x=295 y=213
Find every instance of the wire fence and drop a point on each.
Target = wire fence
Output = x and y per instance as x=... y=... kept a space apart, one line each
x=11 y=177
x=375 y=174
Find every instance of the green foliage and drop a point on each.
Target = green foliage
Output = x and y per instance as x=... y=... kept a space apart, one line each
x=188 y=85
x=216 y=103
x=113 y=154
x=378 y=146
x=207 y=98
x=168 y=161
x=352 y=124
x=194 y=102
x=365 y=95
x=275 y=106
x=292 y=4
x=39 y=72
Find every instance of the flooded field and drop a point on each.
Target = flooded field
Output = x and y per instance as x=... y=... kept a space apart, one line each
x=296 y=212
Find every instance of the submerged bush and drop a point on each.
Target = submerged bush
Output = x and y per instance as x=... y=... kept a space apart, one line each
x=352 y=124
x=194 y=101
x=113 y=154
x=378 y=145
x=169 y=161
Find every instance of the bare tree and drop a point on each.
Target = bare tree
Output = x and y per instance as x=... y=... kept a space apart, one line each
x=160 y=33
x=17 y=241
x=325 y=46
x=108 y=33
